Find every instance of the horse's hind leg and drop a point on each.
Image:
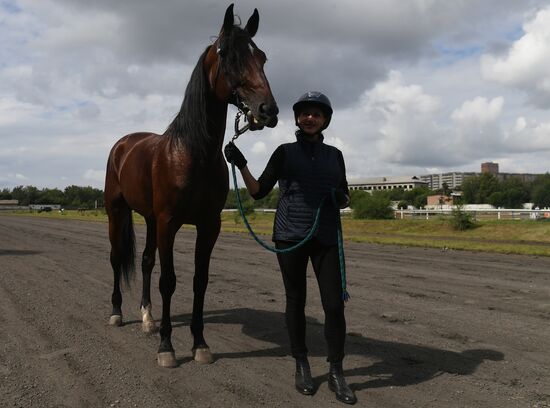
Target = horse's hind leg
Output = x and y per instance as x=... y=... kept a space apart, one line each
x=116 y=297
x=147 y=264
x=207 y=234
x=166 y=233
x=118 y=213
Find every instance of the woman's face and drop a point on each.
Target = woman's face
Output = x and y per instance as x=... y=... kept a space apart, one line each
x=311 y=120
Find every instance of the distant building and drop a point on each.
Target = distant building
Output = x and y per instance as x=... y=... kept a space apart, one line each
x=439 y=201
x=42 y=207
x=455 y=179
x=9 y=202
x=434 y=181
x=525 y=177
x=489 y=167
x=386 y=183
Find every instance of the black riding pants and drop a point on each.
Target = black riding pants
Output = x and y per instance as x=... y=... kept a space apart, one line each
x=325 y=262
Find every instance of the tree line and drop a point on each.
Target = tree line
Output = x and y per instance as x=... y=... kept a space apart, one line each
x=510 y=193
x=483 y=189
x=70 y=197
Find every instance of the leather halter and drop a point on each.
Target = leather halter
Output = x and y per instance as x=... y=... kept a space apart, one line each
x=243 y=110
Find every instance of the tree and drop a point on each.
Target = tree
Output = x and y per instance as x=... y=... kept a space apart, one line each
x=541 y=191
x=461 y=220
x=76 y=197
x=356 y=196
x=478 y=189
x=50 y=196
x=25 y=195
x=396 y=194
x=269 y=201
x=5 y=194
x=247 y=202
x=418 y=196
x=375 y=206
x=515 y=192
x=469 y=190
x=488 y=184
x=403 y=205
x=497 y=199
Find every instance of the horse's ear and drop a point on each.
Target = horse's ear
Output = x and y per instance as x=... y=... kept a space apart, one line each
x=229 y=19
x=252 y=25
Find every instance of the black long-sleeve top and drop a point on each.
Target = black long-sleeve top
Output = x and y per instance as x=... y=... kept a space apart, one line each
x=273 y=171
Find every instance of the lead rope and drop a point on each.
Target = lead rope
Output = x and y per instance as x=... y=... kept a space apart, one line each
x=258 y=240
x=345 y=294
x=341 y=257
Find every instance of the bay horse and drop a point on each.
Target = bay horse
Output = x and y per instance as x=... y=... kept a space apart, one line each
x=181 y=177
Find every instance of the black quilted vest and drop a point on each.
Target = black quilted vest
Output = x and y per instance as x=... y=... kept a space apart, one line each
x=309 y=173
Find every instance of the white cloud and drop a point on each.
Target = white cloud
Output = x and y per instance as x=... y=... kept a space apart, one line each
x=404 y=118
x=521 y=123
x=94 y=175
x=527 y=137
x=479 y=110
x=392 y=98
x=258 y=147
x=526 y=65
x=404 y=79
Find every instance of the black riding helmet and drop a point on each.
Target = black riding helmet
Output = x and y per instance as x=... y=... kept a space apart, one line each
x=317 y=99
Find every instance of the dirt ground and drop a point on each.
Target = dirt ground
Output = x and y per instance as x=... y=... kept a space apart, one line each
x=426 y=327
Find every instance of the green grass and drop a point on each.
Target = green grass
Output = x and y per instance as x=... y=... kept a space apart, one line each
x=528 y=237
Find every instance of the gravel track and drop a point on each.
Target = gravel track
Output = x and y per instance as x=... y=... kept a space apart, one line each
x=426 y=328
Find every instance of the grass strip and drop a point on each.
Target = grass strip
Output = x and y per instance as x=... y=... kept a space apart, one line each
x=526 y=237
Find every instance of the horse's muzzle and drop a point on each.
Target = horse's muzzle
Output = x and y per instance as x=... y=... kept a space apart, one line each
x=268 y=114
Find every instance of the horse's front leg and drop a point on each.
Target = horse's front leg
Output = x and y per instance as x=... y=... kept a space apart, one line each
x=207 y=234
x=147 y=264
x=165 y=239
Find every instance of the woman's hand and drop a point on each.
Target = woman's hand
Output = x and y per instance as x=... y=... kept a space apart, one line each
x=234 y=155
x=341 y=200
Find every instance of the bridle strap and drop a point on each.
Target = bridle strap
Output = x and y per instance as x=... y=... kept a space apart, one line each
x=243 y=111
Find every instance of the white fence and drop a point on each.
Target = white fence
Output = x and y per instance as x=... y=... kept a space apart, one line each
x=13 y=207
x=480 y=214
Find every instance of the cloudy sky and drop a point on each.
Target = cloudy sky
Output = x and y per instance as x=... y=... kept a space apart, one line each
x=418 y=86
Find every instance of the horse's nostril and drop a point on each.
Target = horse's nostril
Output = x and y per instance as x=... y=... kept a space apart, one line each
x=263 y=108
x=269 y=109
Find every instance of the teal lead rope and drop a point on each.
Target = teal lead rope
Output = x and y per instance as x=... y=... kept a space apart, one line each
x=258 y=240
x=345 y=294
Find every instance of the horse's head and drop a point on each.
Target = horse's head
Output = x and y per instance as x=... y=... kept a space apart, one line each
x=235 y=70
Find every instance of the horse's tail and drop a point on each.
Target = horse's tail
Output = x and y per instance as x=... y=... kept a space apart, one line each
x=127 y=246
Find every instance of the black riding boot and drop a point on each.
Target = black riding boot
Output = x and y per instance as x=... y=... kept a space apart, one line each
x=337 y=384
x=304 y=382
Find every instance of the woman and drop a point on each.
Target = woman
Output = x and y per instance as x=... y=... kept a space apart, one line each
x=307 y=171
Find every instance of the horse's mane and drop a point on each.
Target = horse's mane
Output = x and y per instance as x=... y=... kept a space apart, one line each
x=190 y=126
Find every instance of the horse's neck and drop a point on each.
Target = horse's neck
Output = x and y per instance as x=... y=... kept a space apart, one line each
x=217 y=115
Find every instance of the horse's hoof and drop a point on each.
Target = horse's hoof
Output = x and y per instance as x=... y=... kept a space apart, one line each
x=148 y=323
x=203 y=356
x=149 y=327
x=167 y=359
x=115 y=320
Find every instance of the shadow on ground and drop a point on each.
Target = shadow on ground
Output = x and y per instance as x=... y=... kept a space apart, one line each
x=395 y=364
x=18 y=252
